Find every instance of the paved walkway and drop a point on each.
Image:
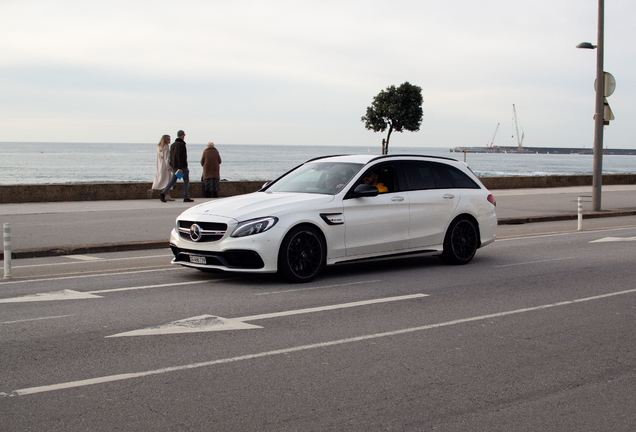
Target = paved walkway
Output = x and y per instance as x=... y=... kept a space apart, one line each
x=41 y=229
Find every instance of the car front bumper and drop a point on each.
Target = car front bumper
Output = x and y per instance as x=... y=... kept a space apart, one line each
x=251 y=254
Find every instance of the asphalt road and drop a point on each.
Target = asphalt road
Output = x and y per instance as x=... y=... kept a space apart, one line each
x=536 y=333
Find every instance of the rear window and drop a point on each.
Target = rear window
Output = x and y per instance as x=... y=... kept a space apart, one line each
x=457 y=178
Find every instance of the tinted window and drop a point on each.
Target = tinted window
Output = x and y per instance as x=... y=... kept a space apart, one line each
x=442 y=178
x=457 y=178
x=419 y=175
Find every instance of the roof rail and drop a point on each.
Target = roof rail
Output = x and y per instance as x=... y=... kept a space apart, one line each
x=411 y=155
x=325 y=157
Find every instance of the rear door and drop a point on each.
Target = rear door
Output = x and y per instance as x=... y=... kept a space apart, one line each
x=433 y=200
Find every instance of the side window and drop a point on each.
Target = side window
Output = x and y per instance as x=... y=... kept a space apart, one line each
x=383 y=176
x=456 y=178
x=419 y=175
x=442 y=177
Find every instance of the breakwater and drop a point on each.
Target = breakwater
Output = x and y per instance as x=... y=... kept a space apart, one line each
x=543 y=150
x=139 y=190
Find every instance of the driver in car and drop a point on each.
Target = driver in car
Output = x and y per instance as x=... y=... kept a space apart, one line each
x=372 y=179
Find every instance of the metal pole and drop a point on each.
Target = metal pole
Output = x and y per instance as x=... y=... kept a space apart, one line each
x=580 y=214
x=597 y=173
x=7 y=251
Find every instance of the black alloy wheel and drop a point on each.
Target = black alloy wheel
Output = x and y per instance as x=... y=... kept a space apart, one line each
x=460 y=242
x=302 y=254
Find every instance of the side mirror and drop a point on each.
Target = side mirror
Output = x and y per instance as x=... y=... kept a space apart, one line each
x=365 y=190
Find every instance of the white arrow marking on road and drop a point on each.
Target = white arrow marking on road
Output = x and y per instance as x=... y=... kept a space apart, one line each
x=50 y=296
x=203 y=323
x=207 y=323
x=613 y=239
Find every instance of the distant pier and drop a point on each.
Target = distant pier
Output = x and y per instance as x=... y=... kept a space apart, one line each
x=542 y=150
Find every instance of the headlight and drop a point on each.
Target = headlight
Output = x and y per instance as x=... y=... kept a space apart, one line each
x=254 y=226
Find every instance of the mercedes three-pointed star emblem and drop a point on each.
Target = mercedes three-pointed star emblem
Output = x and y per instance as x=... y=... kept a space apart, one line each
x=195 y=232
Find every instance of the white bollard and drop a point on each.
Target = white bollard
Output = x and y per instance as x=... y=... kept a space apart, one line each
x=7 y=251
x=580 y=214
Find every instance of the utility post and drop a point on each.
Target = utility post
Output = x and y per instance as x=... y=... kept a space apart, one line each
x=597 y=173
x=599 y=109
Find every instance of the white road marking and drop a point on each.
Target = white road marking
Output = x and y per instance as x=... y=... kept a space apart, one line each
x=614 y=239
x=127 y=376
x=35 y=319
x=101 y=259
x=533 y=262
x=151 y=286
x=83 y=257
x=331 y=307
x=315 y=288
x=51 y=296
x=558 y=234
x=206 y=323
x=198 y=324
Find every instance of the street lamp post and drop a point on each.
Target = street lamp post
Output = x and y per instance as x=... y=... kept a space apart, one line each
x=597 y=173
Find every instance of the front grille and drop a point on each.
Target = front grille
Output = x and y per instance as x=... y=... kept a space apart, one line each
x=231 y=259
x=208 y=231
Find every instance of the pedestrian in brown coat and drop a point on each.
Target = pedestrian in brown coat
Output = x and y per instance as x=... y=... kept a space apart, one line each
x=211 y=161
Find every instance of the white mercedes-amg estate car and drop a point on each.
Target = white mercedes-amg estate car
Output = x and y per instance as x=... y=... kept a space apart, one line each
x=341 y=208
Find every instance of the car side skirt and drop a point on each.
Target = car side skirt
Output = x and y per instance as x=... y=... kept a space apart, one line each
x=428 y=251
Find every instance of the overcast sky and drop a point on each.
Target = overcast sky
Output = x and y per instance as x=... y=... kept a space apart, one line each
x=303 y=72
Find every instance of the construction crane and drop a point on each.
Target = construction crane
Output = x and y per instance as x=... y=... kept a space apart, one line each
x=493 y=137
x=519 y=140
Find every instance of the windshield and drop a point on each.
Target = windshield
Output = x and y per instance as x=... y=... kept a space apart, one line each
x=317 y=177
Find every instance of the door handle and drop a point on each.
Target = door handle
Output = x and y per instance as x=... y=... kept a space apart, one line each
x=397 y=198
x=448 y=196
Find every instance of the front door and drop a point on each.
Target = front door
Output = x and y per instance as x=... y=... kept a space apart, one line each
x=379 y=224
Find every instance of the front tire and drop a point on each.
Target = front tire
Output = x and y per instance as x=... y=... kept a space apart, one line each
x=460 y=242
x=302 y=255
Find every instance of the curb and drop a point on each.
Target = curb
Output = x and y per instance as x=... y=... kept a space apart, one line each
x=161 y=244
x=86 y=249
x=568 y=216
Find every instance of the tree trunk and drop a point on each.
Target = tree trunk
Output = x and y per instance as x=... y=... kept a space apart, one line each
x=385 y=149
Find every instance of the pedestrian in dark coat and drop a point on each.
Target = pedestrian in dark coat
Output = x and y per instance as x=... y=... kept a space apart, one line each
x=211 y=161
x=179 y=164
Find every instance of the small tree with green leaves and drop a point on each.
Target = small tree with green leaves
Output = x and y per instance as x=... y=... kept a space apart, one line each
x=398 y=109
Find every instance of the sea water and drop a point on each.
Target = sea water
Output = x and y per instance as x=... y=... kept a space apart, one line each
x=39 y=163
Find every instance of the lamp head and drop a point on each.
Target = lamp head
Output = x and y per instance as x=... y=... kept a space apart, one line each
x=586 y=45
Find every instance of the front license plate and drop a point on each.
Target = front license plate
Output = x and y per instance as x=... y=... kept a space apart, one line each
x=197 y=259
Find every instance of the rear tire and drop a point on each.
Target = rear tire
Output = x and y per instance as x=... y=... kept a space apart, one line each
x=460 y=242
x=302 y=255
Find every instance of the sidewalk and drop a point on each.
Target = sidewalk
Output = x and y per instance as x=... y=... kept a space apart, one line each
x=47 y=229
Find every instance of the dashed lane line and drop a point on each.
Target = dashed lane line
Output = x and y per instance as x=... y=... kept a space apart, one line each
x=35 y=319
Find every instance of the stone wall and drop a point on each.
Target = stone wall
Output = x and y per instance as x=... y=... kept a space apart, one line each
x=534 y=182
x=111 y=191
x=139 y=190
